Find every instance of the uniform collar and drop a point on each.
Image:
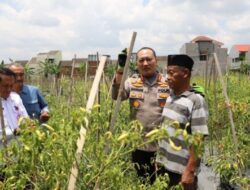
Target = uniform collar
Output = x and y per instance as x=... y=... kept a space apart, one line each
x=156 y=78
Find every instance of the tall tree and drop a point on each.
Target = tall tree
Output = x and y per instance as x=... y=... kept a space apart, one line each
x=2 y=64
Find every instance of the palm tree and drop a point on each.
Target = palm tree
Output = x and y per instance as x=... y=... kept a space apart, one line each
x=82 y=68
x=49 y=68
x=110 y=70
x=28 y=71
x=2 y=64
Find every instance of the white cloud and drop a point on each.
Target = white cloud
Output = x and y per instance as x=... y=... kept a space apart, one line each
x=83 y=27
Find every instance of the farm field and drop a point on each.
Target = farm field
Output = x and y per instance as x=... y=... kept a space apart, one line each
x=42 y=156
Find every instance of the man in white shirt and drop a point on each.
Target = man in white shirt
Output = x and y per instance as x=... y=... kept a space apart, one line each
x=12 y=106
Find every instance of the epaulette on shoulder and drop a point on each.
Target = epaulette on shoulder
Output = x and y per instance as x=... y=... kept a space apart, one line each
x=135 y=75
x=134 y=78
x=163 y=83
x=136 y=81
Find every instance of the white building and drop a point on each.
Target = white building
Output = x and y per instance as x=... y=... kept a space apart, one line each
x=201 y=49
x=239 y=54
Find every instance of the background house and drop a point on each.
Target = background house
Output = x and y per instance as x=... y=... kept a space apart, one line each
x=80 y=65
x=162 y=63
x=65 y=67
x=239 y=54
x=201 y=50
x=21 y=62
x=54 y=57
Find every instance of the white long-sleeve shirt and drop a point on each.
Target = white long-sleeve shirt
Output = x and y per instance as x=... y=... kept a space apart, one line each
x=13 y=109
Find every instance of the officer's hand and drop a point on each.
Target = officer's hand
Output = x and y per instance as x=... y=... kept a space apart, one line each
x=44 y=117
x=122 y=58
x=198 y=89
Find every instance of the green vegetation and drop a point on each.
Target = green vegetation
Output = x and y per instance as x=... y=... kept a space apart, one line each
x=42 y=155
x=224 y=159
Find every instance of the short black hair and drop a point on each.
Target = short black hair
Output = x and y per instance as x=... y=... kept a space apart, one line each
x=146 y=48
x=7 y=72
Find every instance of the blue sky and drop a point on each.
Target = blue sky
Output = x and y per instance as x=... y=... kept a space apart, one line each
x=145 y=2
x=85 y=27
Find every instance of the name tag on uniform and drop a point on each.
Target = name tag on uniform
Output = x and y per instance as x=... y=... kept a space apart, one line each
x=136 y=94
x=162 y=93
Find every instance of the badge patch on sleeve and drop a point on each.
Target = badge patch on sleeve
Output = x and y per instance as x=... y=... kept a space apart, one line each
x=136 y=104
x=163 y=95
x=162 y=104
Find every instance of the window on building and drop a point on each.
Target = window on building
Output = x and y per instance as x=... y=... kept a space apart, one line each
x=203 y=57
x=242 y=56
x=51 y=60
x=92 y=57
x=237 y=59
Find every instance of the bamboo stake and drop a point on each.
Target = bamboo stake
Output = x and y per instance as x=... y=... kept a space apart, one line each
x=215 y=102
x=125 y=71
x=206 y=75
x=82 y=133
x=105 y=81
x=71 y=81
x=60 y=87
x=4 y=138
x=230 y=113
x=86 y=72
x=211 y=62
x=99 y=91
x=86 y=80
x=118 y=103
x=94 y=88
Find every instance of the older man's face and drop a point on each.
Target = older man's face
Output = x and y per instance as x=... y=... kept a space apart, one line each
x=146 y=62
x=19 y=72
x=6 y=85
x=176 y=76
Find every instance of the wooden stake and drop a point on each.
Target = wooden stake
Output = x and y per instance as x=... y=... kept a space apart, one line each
x=97 y=79
x=82 y=133
x=71 y=81
x=4 y=137
x=125 y=71
x=212 y=67
x=230 y=113
x=215 y=103
x=206 y=74
x=86 y=80
x=99 y=91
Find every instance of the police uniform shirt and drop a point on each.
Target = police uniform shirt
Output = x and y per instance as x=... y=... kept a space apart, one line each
x=147 y=100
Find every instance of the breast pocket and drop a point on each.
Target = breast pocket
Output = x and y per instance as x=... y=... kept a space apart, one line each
x=16 y=110
x=33 y=108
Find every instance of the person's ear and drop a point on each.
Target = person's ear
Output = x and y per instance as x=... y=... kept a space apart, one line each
x=186 y=73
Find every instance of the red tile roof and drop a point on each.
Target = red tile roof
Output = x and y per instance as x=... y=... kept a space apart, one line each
x=206 y=39
x=242 y=47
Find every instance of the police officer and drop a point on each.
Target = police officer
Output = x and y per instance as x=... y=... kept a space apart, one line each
x=147 y=92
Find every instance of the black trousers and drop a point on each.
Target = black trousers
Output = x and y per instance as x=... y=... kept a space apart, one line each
x=145 y=164
x=175 y=179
